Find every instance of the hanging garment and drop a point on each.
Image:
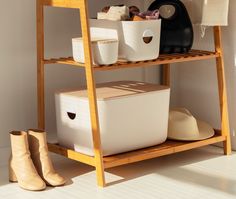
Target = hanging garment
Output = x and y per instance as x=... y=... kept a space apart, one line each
x=208 y=12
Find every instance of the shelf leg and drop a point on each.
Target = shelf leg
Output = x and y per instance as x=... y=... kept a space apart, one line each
x=40 y=64
x=92 y=96
x=222 y=91
x=166 y=74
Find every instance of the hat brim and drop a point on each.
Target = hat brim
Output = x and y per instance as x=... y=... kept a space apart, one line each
x=205 y=131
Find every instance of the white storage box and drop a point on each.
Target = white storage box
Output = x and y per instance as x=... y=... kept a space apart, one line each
x=132 y=115
x=208 y=12
x=138 y=40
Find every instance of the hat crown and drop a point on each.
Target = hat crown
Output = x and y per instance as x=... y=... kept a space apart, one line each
x=182 y=124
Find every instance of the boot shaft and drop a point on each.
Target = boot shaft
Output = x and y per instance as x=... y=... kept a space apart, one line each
x=19 y=143
x=39 y=151
x=37 y=141
x=41 y=159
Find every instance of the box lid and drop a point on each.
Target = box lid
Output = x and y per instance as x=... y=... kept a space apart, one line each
x=113 y=90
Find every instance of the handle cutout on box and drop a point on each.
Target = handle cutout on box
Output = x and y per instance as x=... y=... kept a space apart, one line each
x=72 y=116
x=147 y=36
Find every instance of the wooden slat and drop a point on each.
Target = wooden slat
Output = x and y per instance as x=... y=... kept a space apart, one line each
x=166 y=148
x=66 y=61
x=163 y=59
x=166 y=74
x=64 y=3
x=40 y=65
x=222 y=90
x=92 y=96
x=169 y=147
x=55 y=148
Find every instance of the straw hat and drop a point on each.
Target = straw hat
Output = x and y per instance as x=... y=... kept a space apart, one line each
x=183 y=126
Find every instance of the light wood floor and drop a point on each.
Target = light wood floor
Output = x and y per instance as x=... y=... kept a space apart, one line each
x=201 y=173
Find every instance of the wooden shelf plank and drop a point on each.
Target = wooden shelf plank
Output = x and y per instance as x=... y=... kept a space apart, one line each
x=62 y=60
x=71 y=154
x=193 y=55
x=169 y=147
x=166 y=148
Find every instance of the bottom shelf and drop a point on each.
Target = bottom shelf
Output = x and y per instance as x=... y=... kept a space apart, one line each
x=169 y=147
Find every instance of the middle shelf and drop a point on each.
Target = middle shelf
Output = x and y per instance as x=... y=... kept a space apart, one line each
x=193 y=55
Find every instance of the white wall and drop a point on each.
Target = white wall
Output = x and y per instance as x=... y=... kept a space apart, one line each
x=195 y=83
x=18 y=62
x=17 y=67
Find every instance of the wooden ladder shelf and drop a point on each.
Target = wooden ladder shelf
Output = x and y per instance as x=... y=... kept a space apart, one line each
x=169 y=147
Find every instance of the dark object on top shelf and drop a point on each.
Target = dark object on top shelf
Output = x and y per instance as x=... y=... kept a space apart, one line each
x=176 y=28
x=133 y=10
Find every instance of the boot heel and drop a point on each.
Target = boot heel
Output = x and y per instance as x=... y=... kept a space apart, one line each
x=12 y=175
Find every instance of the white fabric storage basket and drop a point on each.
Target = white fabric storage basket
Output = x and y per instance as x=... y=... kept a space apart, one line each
x=132 y=115
x=138 y=40
x=208 y=12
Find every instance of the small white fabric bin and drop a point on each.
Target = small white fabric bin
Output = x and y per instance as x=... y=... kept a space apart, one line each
x=208 y=12
x=104 y=52
x=132 y=115
x=138 y=40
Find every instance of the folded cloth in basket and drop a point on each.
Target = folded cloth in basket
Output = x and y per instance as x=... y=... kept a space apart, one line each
x=115 y=13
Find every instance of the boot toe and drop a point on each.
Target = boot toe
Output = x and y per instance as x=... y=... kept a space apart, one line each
x=34 y=185
x=55 y=180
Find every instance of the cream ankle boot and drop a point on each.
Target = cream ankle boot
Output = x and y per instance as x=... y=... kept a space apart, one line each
x=41 y=159
x=21 y=167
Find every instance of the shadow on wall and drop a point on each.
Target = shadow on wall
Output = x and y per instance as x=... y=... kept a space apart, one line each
x=195 y=87
x=229 y=39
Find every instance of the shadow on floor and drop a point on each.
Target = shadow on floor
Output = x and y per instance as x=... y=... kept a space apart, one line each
x=135 y=170
x=171 y=166
x=70 y=169
x=212 y=181
x=4 y=176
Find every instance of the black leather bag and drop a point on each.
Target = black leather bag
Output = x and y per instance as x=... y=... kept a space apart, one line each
x=176 y=29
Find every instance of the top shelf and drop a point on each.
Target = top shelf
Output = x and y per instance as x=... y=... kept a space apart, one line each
x=193 y=55
x=64 y=3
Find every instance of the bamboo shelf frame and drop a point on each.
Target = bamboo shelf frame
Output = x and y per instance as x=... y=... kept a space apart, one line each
x=169 y=147
x=163 y=59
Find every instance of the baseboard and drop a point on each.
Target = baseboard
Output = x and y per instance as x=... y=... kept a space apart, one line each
x=4 y=155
